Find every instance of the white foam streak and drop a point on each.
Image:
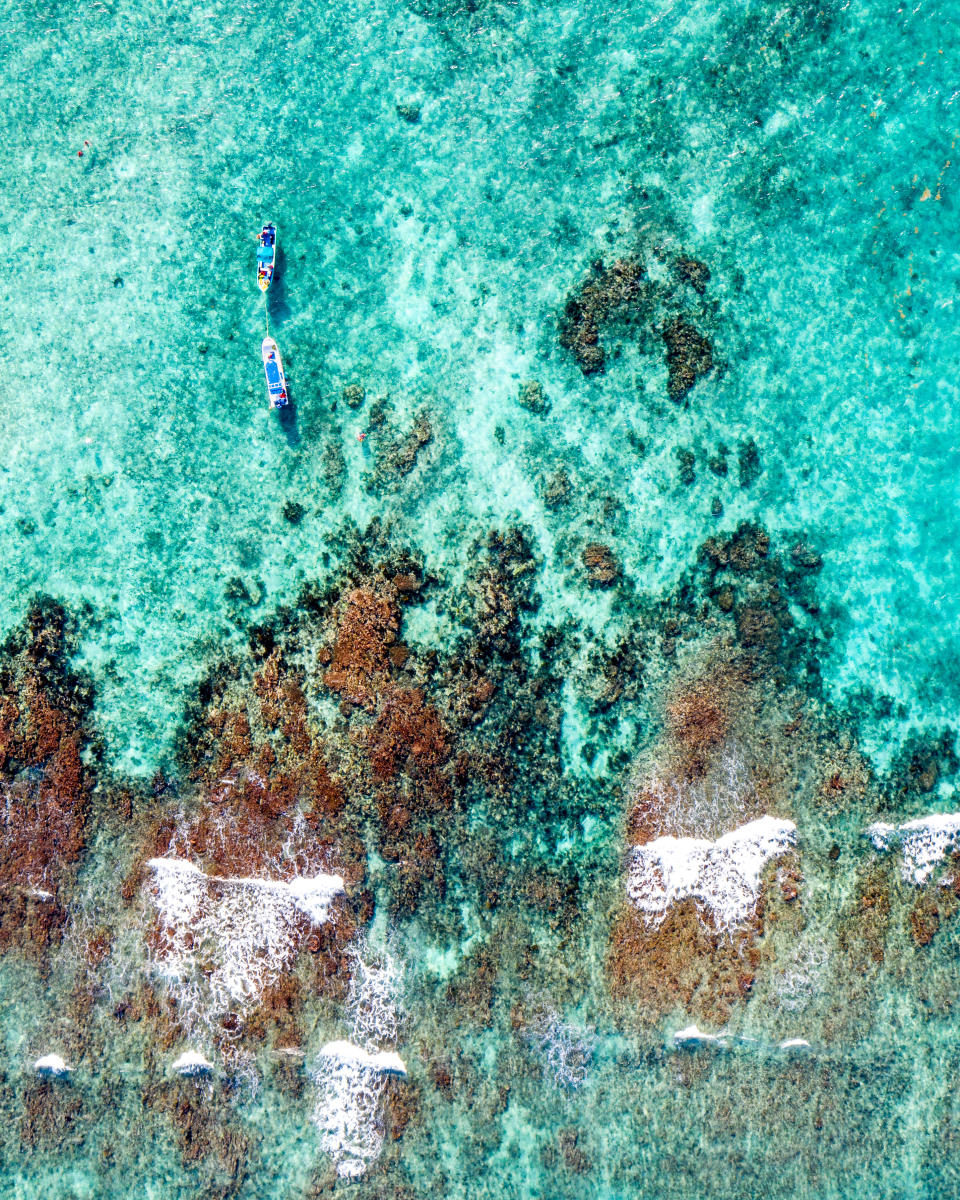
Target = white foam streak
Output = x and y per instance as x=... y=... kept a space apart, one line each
x=924 y=842
x=722 y=876
x=51 y=1064
x=191 y=1062
x=351 y=1075
x=383 y=1060
x=226 y=939
x=691 y=1035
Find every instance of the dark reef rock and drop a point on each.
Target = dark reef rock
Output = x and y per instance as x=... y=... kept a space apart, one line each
x=398 y=458
x=602 y=567
x=556 y=489
x=354 y=395
x=408 y=112
x=748 y=463
x=918 y=768
x=43 y=714
x=689 y=357
x=687 y=461
x=532 y=398
x=605 y=293
x=334 y=467
x=574 y=1158
x=690 y=270
x=759 y=627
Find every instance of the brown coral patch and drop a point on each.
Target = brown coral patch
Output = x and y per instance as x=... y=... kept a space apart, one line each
x=698 y=716
x=51 y=1117
x=44 y=785
x=604 y=294
x=689 y=357
x=471 y=994
x=700 y=773
x=402 y=1105
x=408 y=732
x=924 y=920
x=868 y=924
x=602 y=567
x=202 y=1134
x=367 y=628
x=683 y=962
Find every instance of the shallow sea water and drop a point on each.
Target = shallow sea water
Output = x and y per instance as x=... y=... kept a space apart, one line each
x=443 y=175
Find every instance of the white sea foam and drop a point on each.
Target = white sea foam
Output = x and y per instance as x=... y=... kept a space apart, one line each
x=795 y=1044
x=51 y=1064
x=722 y=876
x=566 y=1049
x=797 y=984
x=351 y=1075
x=680 y=807
x=226 y=939
x=380 y=1060
x=192 y=1062
x=691 y=1035
x=924 y=842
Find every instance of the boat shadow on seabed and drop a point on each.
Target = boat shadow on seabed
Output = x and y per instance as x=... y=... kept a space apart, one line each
x=287 y=420
x=278 y=305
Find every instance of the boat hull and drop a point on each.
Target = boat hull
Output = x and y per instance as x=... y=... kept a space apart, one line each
x=273 y=369
x=266 y=256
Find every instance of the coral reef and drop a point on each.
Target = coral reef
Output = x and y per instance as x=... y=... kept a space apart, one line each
x=602 y=567
x=682 y=962
x=396 y=458
x=692 y=271
x=359 y=660
x=606 y=293
x=531 y=397
x=333 y=768
x=45 y=787
x=689 y=357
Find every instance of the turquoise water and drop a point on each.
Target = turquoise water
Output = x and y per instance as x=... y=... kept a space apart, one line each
x=455 y=186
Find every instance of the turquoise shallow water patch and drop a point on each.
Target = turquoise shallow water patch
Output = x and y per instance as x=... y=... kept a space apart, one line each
x=427 y=259
x=470 y=202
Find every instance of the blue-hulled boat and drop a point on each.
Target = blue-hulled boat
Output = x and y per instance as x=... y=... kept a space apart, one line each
x=266 y=256
x=273 y=369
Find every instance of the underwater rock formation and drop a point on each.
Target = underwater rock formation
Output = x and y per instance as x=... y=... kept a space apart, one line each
x=336 y=770
x=602 y=567
x=689 y=357
x=45 y=787
x=692 y=271
x=531 y=397
x=606 y=293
